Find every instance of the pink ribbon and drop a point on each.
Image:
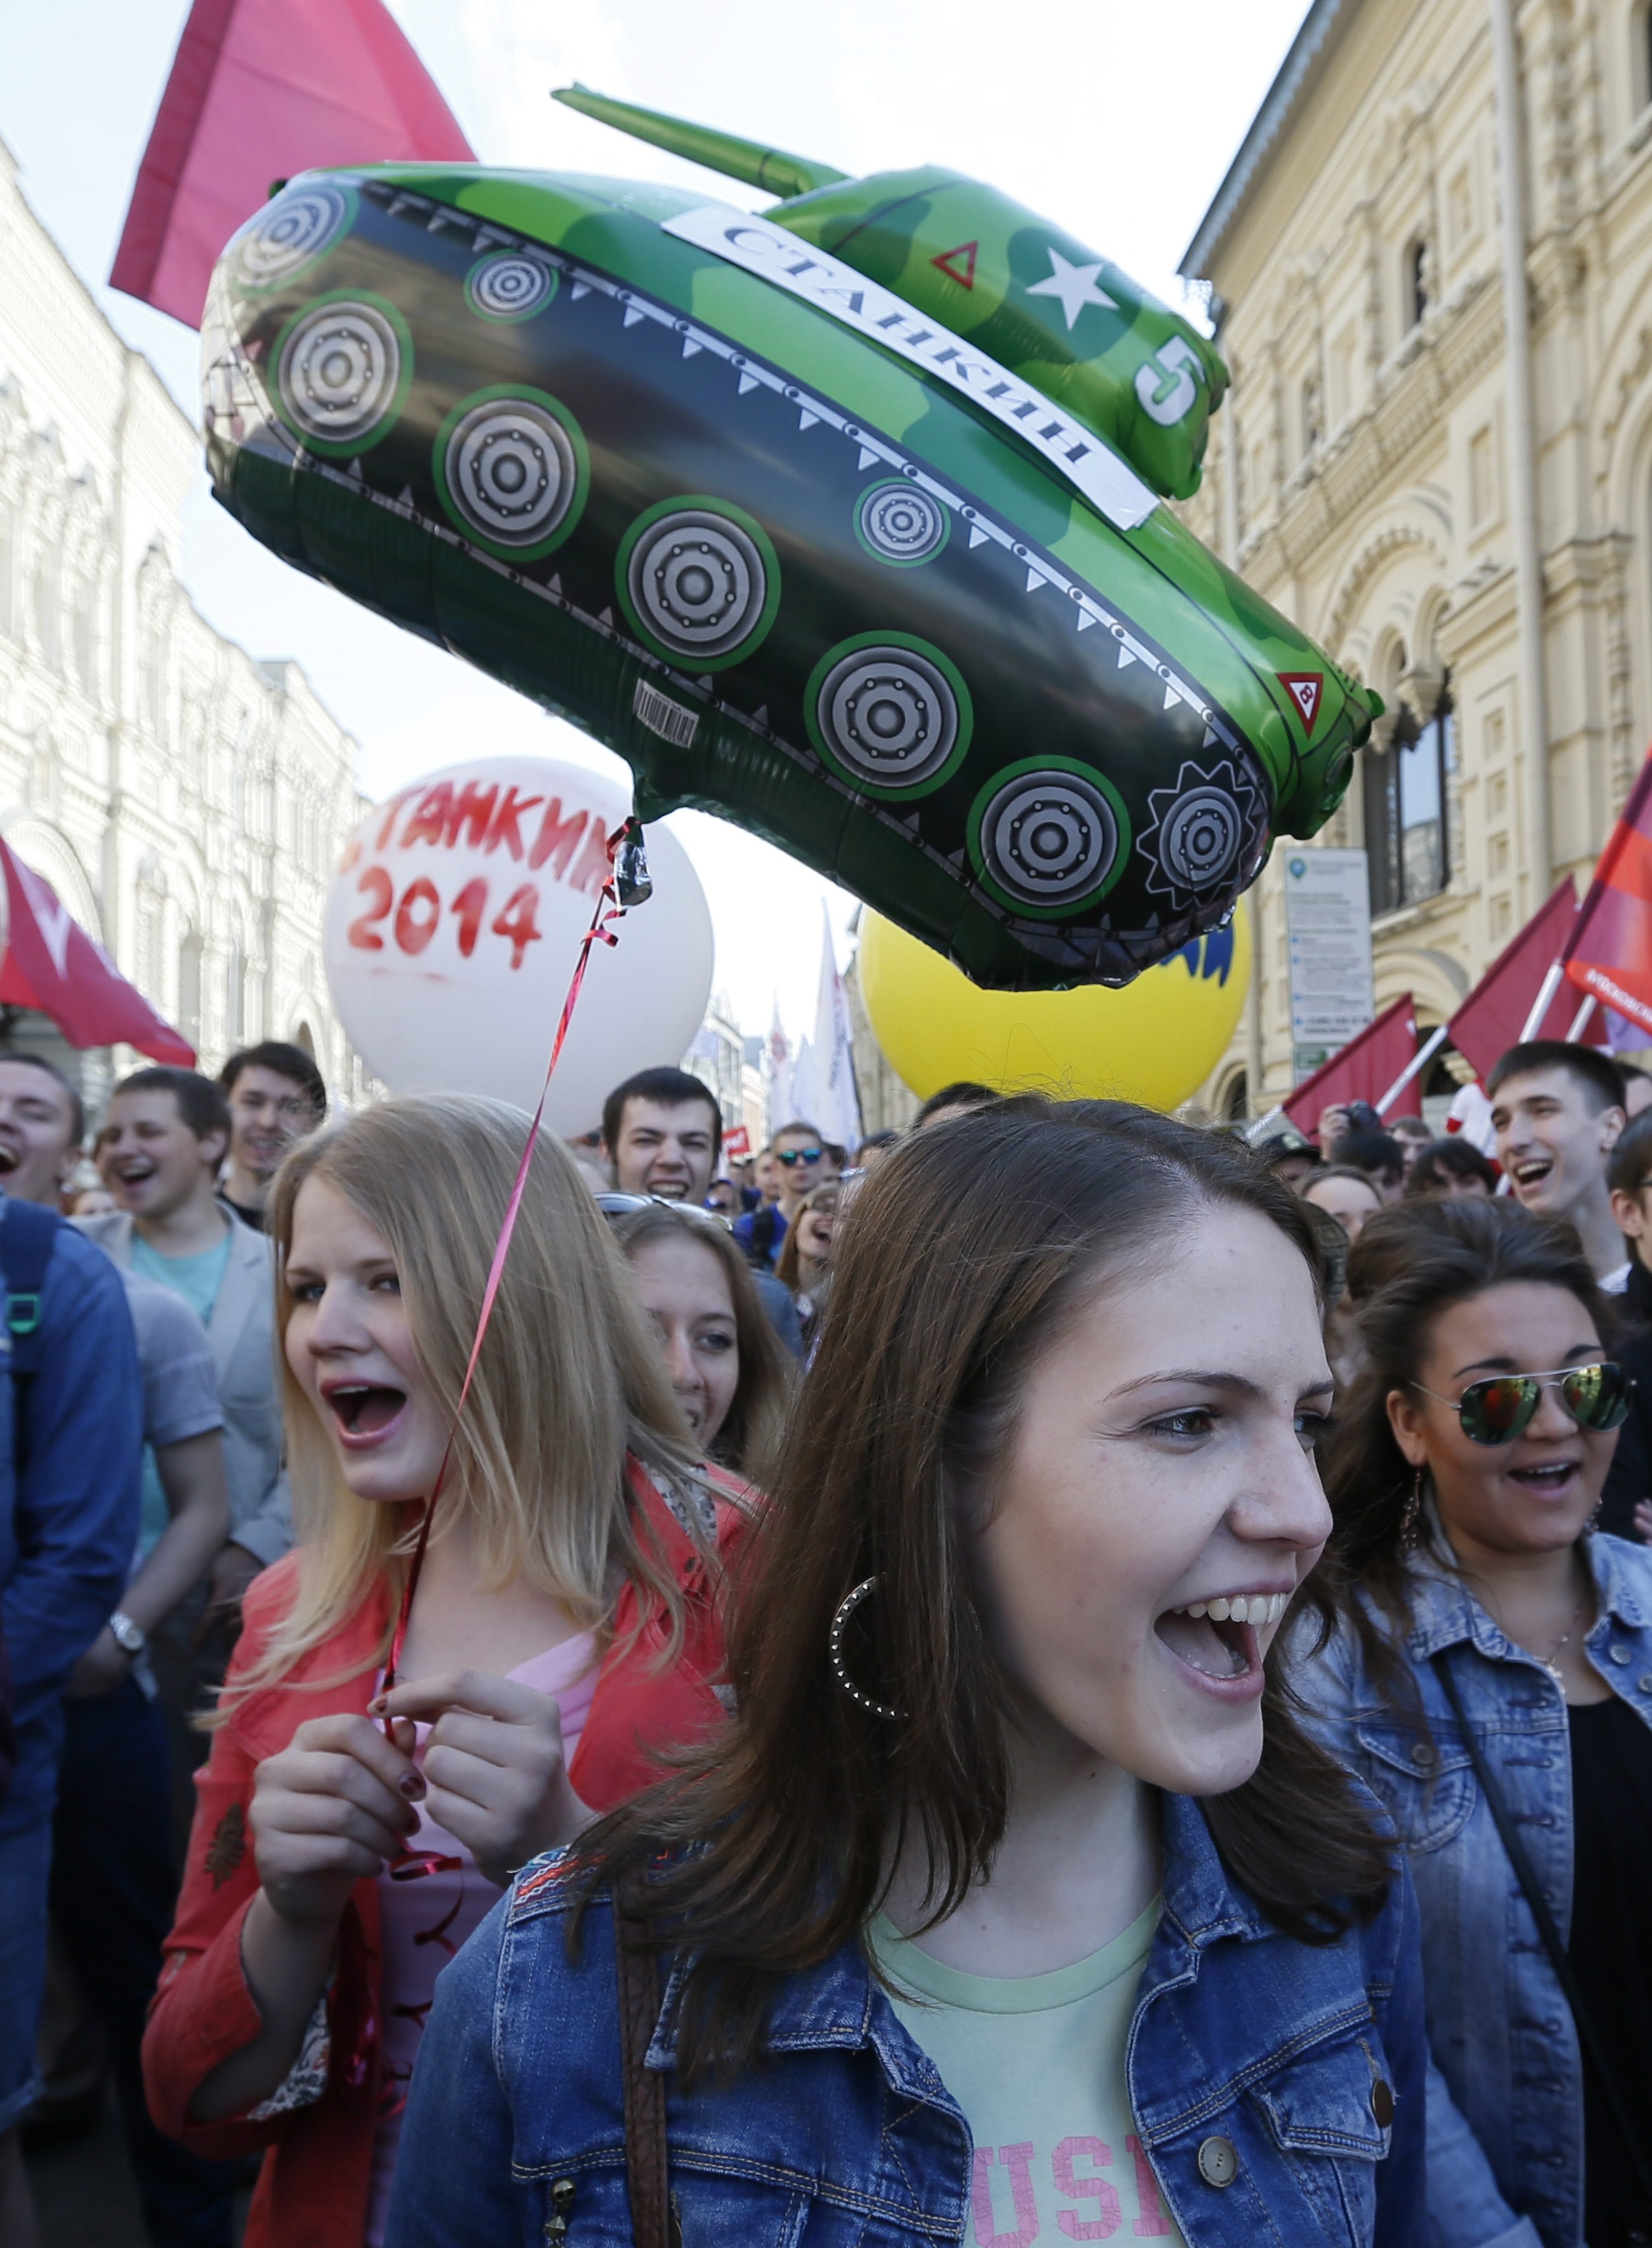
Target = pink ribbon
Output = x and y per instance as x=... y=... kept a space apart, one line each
x=411 y=1865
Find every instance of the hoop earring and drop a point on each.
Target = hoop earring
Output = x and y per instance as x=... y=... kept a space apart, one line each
x=1411 y=1516
x=847 y=1608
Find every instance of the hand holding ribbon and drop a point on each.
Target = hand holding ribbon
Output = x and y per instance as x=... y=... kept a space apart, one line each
x=495 y=1773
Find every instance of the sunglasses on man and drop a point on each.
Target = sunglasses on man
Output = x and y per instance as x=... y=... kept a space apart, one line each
x=1503 y=1407
x=792 y=1155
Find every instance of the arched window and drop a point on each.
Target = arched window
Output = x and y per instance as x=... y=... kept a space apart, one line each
x=1405 y=801
x=1416 y=282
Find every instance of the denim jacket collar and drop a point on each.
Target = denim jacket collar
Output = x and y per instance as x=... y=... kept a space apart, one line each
x=834 y=2006
x=1444 y=1613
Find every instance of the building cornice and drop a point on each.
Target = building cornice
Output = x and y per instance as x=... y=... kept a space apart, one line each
x=1291 y=83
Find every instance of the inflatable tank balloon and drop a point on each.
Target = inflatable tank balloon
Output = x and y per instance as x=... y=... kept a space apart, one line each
x=843 y=521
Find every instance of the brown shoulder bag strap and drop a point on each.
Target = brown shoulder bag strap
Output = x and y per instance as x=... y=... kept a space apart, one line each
x=653 y=2222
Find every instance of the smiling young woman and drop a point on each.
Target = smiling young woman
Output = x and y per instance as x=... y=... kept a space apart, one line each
x=1490 y=1675
x=731 y=1375
x=1015 y=1895
x=566 y=1626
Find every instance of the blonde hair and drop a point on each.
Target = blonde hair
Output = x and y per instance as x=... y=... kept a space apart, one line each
x=567 y=1383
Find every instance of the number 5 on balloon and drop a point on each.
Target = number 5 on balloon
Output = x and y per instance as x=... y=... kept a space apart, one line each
x=1177 y=364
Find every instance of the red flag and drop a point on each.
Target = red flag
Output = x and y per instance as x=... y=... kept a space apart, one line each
x=1363 y=1070
x=1610 y=954
x=53 y=964
x=259 y=90
x=1494 y=1014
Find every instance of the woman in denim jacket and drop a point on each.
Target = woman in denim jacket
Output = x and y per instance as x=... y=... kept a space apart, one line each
x=1015 y=1904
x=1464 y=1480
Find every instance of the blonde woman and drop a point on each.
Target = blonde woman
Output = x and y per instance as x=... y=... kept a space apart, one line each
x=346 y=1842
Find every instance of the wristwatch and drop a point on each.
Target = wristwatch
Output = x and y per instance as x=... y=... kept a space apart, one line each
x=129 y=1636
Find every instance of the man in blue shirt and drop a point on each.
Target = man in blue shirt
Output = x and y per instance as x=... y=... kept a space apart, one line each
x=71 y=1434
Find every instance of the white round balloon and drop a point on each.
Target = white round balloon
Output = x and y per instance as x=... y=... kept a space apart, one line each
x=453 y=924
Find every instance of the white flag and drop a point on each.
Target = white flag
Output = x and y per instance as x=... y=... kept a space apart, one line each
x=779 y=1074
x=837 y=1107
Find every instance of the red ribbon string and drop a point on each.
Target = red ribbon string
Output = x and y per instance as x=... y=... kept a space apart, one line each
x=413 y=1865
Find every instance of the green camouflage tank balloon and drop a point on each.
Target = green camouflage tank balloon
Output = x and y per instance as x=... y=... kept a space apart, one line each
x=843 y=521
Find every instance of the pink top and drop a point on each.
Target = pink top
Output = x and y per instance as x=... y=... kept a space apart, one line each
x=425 y=1922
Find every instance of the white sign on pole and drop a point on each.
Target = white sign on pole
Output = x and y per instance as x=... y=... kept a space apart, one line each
x=1327 y=922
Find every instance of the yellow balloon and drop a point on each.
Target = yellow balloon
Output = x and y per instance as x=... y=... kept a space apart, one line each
x=1156 y=1041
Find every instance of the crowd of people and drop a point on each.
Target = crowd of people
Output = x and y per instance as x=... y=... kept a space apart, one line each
x=882 y=1701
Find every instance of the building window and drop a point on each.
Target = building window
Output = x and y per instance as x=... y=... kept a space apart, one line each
x=1405 y=798
x=1417 y=283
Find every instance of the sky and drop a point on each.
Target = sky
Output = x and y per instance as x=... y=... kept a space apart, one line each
x=1114 y=120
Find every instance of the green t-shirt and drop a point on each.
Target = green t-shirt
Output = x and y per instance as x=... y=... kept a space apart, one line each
x=1037 y=2064
x=197 y=1280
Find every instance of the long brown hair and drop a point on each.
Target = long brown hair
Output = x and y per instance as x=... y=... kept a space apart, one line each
x=749 y=1441
x=568 y=1381
x=788 y=1265
x=956 y=1268
x=1413 y=1262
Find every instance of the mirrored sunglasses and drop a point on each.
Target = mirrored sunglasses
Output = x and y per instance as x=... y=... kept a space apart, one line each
x=790 y=1155
x=622 y=1205
x=1501 y=1407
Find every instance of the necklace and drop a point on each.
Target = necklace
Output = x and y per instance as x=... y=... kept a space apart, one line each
x=1551 y=1661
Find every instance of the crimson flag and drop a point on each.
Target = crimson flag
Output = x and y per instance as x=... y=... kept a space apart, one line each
x=1365 y=1069
x=50 y=963
x=1493 y=1017
x=259 y=90
x=1610 y=952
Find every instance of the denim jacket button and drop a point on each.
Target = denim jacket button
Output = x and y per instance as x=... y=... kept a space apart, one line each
x=1382 y=2104
x=1618 y=1654
x=1218 y=2165
x=1424 y=1757
x=1644 y=1684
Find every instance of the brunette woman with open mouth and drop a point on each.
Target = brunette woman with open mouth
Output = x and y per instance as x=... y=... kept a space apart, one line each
x=1014 y=1904
x=567 y=1626
x=1490 y=1678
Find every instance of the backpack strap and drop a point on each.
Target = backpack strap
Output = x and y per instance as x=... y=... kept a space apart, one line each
x=28 y=1236
x=655 y=2222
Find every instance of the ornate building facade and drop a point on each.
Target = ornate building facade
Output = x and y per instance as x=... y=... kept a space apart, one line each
x=1431 y=272
x=186 y=802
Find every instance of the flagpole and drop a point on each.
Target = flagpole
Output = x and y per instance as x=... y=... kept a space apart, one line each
x=1419 y=1060
x=1546 y=990
x=1581 y=1020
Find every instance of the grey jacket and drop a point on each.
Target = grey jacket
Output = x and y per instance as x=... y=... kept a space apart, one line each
x=241 y=1333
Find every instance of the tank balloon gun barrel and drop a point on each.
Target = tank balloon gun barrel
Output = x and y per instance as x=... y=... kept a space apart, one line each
x=770 y=171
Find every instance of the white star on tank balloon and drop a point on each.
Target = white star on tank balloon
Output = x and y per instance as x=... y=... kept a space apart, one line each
x=1075 y=287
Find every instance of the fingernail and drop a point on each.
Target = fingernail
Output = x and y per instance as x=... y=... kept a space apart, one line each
x=378 y=1705
x=412 y=1787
